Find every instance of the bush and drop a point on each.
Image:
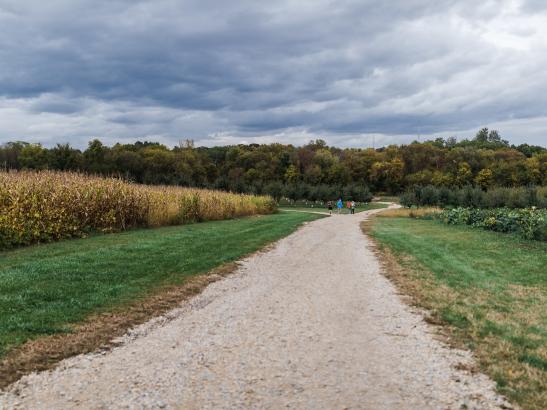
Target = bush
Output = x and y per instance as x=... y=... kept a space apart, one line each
x=496 y=198
x=428 y=195
x=530 y=223
x=470 y=197
x=408 y=199
x=358 y=193
x=445 y=196
x=541 y=195
x=47 y=206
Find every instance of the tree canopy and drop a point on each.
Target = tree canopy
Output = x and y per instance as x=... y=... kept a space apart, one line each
x=312 y=171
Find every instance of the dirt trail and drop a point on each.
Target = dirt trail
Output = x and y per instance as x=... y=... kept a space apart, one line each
x=310 y=324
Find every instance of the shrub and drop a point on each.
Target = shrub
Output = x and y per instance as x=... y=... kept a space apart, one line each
x=428 y=195
x=46 y=206
x=530 y=223
x=409 y=199
x=357 y=193
x=541 y=195
x=496 y=198
x=470 y=196
x=445 y=196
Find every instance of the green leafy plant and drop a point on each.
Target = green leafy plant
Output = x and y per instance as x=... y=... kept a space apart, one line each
x=530 y=223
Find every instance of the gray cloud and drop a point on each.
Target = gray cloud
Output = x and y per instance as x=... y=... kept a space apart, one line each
x=224 y=72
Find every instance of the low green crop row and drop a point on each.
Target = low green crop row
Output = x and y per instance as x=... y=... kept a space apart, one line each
x=530 y=223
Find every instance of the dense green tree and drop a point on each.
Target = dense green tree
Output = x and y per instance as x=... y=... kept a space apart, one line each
x=33 y=156
x=314 y=171
x=65 y=158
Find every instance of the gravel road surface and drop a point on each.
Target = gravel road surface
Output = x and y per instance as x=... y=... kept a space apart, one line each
x=309 y=324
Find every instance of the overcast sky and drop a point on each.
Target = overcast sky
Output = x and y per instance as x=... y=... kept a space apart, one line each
x=223 y=72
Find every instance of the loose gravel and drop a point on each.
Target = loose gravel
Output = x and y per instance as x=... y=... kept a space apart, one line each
x=309 y=324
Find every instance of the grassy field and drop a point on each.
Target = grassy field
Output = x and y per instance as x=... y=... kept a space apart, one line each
x=367 y=207
x=490 y=288
x=45 y=289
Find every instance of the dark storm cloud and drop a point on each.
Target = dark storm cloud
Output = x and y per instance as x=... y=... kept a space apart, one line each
x=251 y=69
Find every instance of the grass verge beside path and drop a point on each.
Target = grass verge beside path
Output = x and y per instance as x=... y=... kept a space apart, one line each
x=47 y=292
x=491 y=289
x=367 y=207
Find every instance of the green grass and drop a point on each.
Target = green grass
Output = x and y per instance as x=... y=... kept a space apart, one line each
x=367 y=207
x=303 y=209
x=46 y=288
x=490 y=288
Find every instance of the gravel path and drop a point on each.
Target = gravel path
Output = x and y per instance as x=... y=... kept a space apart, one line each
x=309 y=324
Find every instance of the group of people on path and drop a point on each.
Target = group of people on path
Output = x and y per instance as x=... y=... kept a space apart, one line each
x=350 y=205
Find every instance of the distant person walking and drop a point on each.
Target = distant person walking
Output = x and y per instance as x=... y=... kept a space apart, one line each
x=352 y=207
x=348 y=205
x=339 y=205
x=329 y=205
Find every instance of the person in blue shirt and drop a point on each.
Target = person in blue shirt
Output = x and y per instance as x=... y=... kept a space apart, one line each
x=339 y=205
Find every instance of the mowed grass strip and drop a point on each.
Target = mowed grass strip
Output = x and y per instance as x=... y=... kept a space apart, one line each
x=46 y=289
x=490 y=288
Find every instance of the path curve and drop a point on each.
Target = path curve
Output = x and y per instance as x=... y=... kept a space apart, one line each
x=309 y=324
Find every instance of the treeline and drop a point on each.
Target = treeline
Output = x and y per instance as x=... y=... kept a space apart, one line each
x=322 y=192
x=313 y=170
x=474 y=197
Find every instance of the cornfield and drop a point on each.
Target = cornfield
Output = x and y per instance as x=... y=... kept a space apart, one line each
x=46 y=206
